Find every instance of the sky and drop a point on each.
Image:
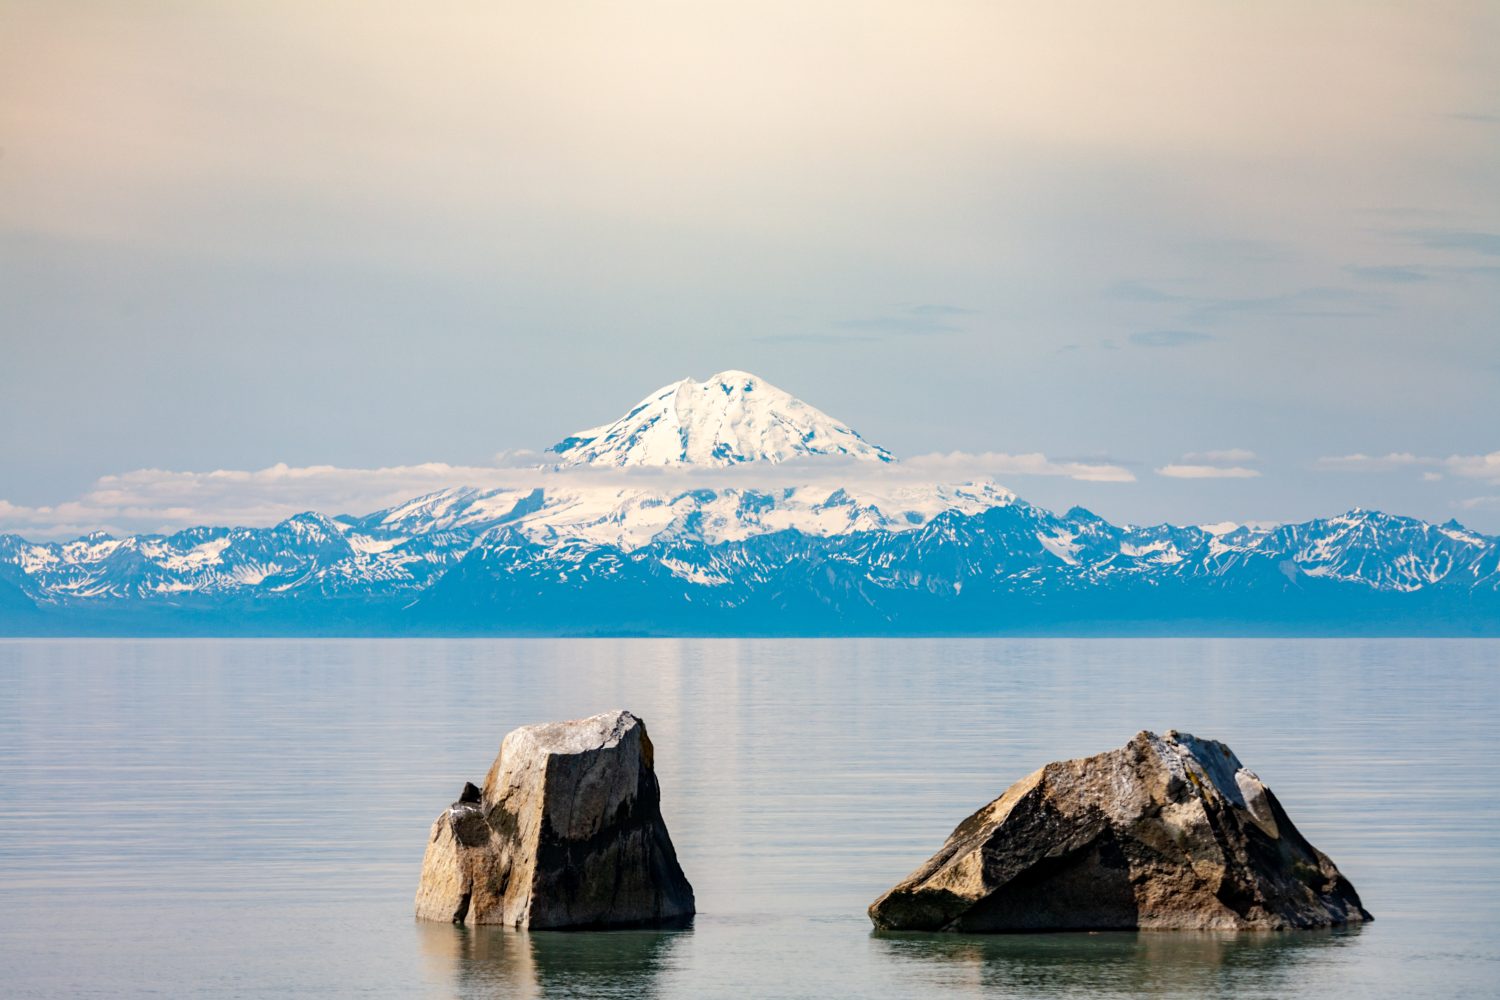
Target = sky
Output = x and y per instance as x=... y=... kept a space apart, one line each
x=258 y=257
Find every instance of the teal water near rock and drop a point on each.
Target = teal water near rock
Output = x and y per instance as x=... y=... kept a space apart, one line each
x=232 y=818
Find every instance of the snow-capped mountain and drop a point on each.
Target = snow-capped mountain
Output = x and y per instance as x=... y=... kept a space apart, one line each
x=620 y=537
x=731 y=418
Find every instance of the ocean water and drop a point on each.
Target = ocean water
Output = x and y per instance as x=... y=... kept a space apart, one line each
x=247 y=818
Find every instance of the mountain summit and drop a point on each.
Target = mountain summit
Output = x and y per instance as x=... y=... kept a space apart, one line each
x=730 y=418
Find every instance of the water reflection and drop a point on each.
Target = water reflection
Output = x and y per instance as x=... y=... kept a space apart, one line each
x=800 y=780
x=1117 y=963
x=496 y=961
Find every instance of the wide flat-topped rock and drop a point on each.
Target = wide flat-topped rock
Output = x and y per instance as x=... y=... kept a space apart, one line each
x=1164 y=833
x=567 y=832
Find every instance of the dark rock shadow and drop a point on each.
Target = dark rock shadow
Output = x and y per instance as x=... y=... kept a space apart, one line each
x=1147 y=963
x=1089 y=888
x=497 y=961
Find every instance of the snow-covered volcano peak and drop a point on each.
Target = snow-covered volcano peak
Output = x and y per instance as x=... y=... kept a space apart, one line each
x=727 y=419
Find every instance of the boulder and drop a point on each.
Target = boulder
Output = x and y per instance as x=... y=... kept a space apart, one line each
x=1164 y=833
x=567 y=832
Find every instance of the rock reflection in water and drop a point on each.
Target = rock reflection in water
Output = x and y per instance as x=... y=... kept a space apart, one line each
x=497 y=961
x=1152 y=963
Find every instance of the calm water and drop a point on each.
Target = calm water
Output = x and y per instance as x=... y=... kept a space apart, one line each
x=248 y=818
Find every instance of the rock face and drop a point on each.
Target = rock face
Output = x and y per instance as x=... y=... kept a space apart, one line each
x=567 y=832
x=1164 y=833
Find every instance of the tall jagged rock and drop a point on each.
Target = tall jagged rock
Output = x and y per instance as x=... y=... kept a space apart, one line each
x=567 y=832
x=1163 y=833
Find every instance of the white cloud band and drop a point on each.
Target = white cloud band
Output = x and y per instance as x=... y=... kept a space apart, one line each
x=161 y=500
x=1485 y=468
x=1176 y=471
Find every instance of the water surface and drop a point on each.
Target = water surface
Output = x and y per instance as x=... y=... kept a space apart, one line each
x=245 y=818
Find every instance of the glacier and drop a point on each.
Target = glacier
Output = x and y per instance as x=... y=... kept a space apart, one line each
x=631 y=533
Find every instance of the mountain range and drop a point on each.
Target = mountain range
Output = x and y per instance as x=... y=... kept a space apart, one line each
x=657 y=524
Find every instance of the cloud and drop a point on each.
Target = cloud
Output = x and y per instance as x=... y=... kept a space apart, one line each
x=898 y=324
x=1300 y=303
x=1145 y=338
x=1390 y=274
x=1222 y=463
x=1485 y=468
x=65 y=519
x=1222 y=455
x=963 y=464
x=1207 y=472
x=938 y=309
x=1139 y=291
x=1456 y=239
x=1360 y=462
x=1303 y=303
x=1431 y=477
x=911 y=320
x=161 y=500
x=817 y=338
x=1169 y=338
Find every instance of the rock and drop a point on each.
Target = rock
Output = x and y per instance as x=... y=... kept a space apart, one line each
x=567 y=832
x=1161 y=834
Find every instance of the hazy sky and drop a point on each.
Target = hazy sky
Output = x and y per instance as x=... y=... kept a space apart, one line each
x=1222 y=246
